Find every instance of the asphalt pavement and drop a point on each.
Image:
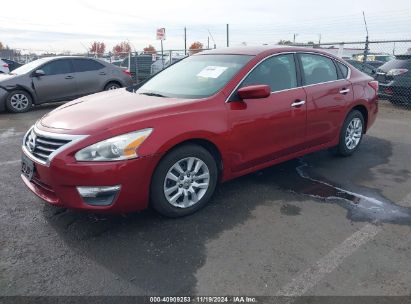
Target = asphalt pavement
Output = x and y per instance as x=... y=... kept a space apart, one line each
x=319 y=225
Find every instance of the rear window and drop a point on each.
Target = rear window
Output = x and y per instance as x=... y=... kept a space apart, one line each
x=84 y=65
x=343 y=69
x=317 y=69
x=396 y=64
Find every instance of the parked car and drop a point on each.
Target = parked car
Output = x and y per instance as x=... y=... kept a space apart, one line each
x=395 y=80
x=56 y=79
x=4 y=67
x=376 y=64
x=364 y=67
x=11 y=64
x=208 y=118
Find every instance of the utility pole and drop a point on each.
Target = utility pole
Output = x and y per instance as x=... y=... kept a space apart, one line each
x=319 y=38
x=295 y=35
x=228 y=37
x=366 y=49
x=185 y=41
x=208 y=42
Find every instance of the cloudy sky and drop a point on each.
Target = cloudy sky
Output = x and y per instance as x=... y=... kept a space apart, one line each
x=49 y=25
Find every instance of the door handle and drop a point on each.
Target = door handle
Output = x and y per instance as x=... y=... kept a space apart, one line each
x=69 y=77
x=298 y=103
x=102 y=73
x=344 y=91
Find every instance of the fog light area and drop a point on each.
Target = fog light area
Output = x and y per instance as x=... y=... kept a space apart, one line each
x=99 y=196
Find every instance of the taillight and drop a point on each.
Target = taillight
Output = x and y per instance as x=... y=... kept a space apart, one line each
x=374 y=85
x=389 y=91
x=5 y=65
x=396 y=72
x=127 y=72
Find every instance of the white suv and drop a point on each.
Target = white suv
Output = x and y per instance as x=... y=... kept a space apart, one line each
x=4 y=67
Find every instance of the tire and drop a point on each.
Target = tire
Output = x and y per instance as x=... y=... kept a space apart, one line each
x=112 y=86
x=351 y=133
x=164 y=190
x=19 y=101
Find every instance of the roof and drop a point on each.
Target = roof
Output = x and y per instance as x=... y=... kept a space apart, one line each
x=258 y=50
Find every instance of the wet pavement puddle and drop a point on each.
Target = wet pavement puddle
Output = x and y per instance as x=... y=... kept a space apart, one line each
x=360 y=208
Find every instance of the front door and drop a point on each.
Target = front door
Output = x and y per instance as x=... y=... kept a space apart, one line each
x=58 y=83
x=268 y=128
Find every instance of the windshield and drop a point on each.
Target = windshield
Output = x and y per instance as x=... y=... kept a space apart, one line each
x=197 y=76
x=28 y=67
x=384 y=58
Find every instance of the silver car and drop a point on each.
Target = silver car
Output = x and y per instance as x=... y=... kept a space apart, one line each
x=58 y=79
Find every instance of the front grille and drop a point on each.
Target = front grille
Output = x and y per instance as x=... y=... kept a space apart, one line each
x=41 y=146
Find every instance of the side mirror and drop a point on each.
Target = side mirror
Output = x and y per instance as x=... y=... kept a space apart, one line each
x=254 y=91
x=39 y=73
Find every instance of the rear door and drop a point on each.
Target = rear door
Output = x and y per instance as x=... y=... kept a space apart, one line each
x=328 y=94
x=91 y=75
x=268 y=128
x=58 y=83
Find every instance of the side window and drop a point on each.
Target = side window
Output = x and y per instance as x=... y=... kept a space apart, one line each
x=317 y=69
x=85 y=65
x=278 y=72
x=56 y=67
x=343 y=69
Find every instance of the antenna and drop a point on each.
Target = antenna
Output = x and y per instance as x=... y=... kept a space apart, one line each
x=366 y=49
x=87 y=50
x=365 y=23
x=212 y=38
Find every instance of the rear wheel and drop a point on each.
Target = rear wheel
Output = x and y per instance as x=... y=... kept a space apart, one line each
x=112 y=86
x=184 y=181
x=19 y=101
x=351 y=133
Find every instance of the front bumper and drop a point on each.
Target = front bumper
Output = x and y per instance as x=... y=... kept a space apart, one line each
x=3 y=97
x=57 y=183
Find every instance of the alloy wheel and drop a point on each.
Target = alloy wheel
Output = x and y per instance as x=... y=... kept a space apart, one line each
x=113 y=87
x=186 y=182
x=19 y=101
x=353 y=133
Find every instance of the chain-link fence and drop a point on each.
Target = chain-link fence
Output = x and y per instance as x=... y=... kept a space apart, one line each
x=388 y=61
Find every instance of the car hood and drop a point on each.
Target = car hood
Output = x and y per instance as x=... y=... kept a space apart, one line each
x=8 y=79
x=107 y=110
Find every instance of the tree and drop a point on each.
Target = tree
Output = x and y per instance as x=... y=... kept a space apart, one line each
x=122 y=49
x=97 y=48
x=195 y=47
x=310 y=42
x=149 y=49
x=284 y=42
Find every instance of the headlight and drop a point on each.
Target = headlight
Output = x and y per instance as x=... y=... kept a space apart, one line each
x=116 y=148
x=396 y=72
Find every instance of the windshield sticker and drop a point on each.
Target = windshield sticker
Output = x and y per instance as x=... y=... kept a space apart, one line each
x=212 y=71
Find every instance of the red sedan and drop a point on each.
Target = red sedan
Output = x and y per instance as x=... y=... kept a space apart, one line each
x=209 y=118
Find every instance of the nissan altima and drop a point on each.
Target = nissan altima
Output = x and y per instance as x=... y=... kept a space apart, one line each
x=209 y=118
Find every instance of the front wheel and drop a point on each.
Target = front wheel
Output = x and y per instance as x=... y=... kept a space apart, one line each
x=19 y=101
x=184 y=181
x=351 y=133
